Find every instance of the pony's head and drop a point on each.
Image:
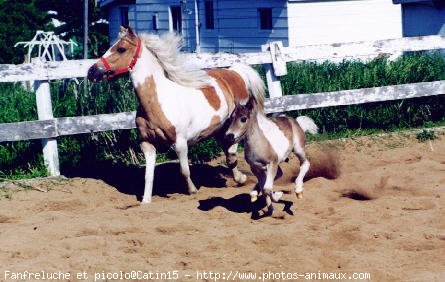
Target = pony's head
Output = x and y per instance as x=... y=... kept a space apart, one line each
x=240 y=120
x=119 y=59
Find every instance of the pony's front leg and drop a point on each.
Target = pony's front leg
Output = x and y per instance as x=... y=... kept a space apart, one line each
x=232 y=162
x=182 y=152
x=271 y=172
x=261 y=177
x=150 y=158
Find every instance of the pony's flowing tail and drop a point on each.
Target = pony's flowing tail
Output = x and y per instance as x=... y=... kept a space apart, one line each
x=307 y=124
x=254 y=83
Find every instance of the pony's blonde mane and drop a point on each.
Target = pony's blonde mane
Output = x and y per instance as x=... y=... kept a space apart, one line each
x=166 y=49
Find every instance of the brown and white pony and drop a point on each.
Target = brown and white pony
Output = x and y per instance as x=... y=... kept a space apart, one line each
x=267 y=143
x=178 y=105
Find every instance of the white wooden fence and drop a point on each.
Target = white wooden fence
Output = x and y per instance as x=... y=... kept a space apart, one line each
x=273 y=57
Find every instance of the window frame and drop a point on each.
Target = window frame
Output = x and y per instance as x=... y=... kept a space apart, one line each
x=209 y=14
x=124 y=16
x=175 y=10
x=265 y=18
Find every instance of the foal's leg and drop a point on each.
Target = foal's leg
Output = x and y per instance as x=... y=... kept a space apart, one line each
x=261 y=177
x=232 y=162
x=150 y=158
x=182 y=152
x=271 y=172
x=304 y=167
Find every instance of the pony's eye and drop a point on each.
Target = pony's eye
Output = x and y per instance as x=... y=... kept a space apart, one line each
x=243 y=119
x=121 y=50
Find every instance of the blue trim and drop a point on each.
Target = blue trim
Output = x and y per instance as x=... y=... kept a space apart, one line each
x=409 y=1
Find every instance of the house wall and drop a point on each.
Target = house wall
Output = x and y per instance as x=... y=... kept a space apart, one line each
x=236 y=23
x=423 y=19
x=325 y=22
x=237 y=26
x=146 y=9
x=114 y=20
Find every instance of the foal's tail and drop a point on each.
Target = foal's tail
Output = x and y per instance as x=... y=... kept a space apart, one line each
x=254 y=83
x=307 y=124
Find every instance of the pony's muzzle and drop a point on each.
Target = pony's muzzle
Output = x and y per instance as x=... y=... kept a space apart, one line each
x=95 y=74
x=229 y=138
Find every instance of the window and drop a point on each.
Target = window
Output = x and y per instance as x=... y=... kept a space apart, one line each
x=124 y=17
x=265 y=15
x=154 y=21
x=210 y=22
x=175 y=19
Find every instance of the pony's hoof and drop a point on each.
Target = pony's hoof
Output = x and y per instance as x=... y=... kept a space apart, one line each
x=192 y=192
x=145 y=201
x=299 y=195
x=191 y=187
x=276 y=196
x=253 y=196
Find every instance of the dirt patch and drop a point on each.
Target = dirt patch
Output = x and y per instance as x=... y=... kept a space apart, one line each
x=371 y=205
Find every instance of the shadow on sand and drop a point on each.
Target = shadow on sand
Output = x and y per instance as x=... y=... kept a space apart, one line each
x=167 y=180
x=241 y=204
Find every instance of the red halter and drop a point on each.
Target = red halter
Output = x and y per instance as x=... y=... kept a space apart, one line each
x=111 y=73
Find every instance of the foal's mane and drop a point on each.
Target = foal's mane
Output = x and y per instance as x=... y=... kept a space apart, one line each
x=166 y=49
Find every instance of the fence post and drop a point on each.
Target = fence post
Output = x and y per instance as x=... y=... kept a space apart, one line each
x=44 y=112
x=276 y=69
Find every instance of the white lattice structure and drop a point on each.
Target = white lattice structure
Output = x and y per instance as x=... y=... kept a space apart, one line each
x=49 y=46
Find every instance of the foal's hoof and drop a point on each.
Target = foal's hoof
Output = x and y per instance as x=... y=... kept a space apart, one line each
x=299 y=195
x=276 y=196
x=241 y=178
x=270 y=211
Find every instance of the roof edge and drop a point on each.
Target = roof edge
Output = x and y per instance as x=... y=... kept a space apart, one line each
x=107 y=3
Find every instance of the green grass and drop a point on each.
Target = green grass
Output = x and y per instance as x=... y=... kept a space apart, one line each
x=23 y=159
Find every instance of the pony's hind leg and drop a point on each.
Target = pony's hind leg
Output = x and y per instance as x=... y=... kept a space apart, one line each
x=232 y=162
x=150 y=158
x=181 y=148
x=304 y=167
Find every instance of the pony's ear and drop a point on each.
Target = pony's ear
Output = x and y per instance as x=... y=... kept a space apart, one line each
x=126 y=32
x=130 y=32
x=123 y=32
x=250 y=104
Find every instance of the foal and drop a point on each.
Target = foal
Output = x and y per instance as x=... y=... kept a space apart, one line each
x=267 y=143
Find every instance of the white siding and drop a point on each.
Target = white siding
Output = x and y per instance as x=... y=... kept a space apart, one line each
x=343 y=21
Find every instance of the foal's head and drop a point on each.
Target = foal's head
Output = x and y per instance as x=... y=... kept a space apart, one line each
x=119 y=59
x=240 y=120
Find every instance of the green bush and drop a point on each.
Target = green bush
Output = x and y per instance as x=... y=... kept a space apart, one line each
x=23 y=159
x=425 y=135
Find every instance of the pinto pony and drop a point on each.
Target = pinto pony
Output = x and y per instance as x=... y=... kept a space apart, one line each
x=267 y=143
x=178 y=106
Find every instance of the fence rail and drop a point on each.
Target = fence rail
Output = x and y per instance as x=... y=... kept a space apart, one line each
x=78 y=68
x=52 y=128
x=273 y=57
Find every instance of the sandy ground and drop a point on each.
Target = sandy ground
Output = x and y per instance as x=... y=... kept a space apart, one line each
x=384 y=215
